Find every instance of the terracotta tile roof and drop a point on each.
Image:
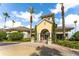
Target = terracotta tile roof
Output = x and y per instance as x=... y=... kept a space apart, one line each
x=20 y=28
x=48 y=15
x=59 y=28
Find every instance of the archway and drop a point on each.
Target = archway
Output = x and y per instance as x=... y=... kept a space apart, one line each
x=44 y=35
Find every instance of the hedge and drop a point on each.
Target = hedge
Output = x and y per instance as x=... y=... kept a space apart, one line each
x=75 y=37
x=15 y=36
x=3 y=35
x=25 y=40
x=70 y=44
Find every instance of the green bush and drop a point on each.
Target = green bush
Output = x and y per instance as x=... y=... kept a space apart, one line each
x=14 y=36
x=3 y=35
x=75 y=37
x=70 y=44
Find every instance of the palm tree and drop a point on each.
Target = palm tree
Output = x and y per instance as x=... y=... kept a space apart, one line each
x=75 y=22
x=6 y=15
x=63 y=20
x=31 y=11
x=13 y=23
x=54 y=26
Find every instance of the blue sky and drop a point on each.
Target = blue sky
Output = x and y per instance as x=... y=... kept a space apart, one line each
x=23 y=7
x=19 y=13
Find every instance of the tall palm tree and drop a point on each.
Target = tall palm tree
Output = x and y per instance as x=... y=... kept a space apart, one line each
x=54 y=26
x=6 y=15
x=31 y=11
x=75 y=22
x=63 y=20
x=13 y=23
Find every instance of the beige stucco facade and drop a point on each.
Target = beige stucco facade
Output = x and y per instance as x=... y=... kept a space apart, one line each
x=43 y=25
x=46 y=27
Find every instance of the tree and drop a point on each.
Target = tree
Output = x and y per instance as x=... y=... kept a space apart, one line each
x=13 y=23
x=75 y=24
x=35 y=33
x=6 y=15
x=54 y=26
x=31 y=11
x=63 y=20
x=75 y=36
x=3 y=35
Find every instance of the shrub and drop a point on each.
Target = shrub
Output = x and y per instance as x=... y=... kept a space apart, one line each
x=70 y=44
x=75 y=37
x=15 y=36
x=26 y=40
x=3 y=35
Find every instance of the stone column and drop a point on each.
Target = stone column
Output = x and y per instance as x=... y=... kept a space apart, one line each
x=50 y=40
x=32 y=40
x=38 y=37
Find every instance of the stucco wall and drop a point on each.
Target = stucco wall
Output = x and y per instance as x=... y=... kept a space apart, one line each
x=43 y=25
x=26 y=35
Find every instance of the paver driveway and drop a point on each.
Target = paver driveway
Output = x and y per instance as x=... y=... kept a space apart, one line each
x=35 y=49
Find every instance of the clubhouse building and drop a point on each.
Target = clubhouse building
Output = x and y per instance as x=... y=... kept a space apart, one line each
x=44 y=29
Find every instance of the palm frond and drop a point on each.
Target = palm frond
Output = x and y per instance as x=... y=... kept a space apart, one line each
x=6 y=14
x=31 y=10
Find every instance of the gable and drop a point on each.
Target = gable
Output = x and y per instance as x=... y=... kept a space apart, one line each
x=44 y=25
x=44 y=21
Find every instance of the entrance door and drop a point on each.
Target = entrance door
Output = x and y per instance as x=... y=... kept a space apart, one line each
x=44 y=35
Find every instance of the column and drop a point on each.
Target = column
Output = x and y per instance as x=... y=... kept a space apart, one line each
x=38 y=37
x=50 y=40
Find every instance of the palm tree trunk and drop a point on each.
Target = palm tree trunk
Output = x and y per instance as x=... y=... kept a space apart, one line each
x=75 y=25
x=63 y=21
x=5 y=23
x=30 y=26
x=35 y=33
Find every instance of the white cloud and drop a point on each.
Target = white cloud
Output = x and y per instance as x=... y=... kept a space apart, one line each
x=66 y=7
x=69 y=20
x=57 y=21
x=58 y=9
x=1 y=25
x=26 y=15
x=37 y=16
x=0 y=17
x=28 y=26
x=9 y=24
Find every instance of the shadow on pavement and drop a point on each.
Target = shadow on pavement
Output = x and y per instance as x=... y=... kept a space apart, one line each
x=76 y=52
x=46 y=51
x=5 y=44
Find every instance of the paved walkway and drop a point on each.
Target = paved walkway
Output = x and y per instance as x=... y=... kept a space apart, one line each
x=35 y=49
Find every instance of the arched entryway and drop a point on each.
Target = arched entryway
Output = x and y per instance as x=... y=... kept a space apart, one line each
x=44 y=35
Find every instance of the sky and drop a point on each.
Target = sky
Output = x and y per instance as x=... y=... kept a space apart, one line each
x=19 y=13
